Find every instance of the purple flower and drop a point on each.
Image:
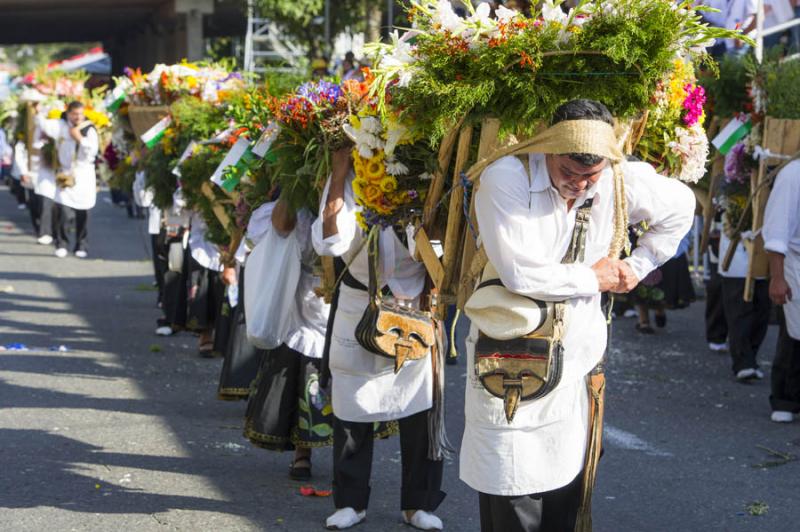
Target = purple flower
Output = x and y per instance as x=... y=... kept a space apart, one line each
x=320 y=91
x=735 y=165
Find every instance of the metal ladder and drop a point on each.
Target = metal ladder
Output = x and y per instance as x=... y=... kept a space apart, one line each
x=264 y=50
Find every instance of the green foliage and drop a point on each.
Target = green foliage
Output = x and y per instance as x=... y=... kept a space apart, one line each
x=297 y=18
x=195 y=171
x=158 y=168
x=617 y=56
x=122 y=177
x=727 y=92
x=196 y=119
x=782 y=84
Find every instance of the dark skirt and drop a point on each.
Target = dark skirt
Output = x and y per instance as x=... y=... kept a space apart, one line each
x=288 y=408
x=206 y=297
x=242 y=359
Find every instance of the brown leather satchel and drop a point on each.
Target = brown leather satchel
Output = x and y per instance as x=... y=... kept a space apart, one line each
x=391 y=329
x=530 y=366
x=524 y=368
x=65 y=180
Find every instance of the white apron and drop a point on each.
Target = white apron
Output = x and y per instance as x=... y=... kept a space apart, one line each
x=542 y=449
x=791 y=271
x=79 y=160
x=365 y=386
x=44 y=179
x=83 y=194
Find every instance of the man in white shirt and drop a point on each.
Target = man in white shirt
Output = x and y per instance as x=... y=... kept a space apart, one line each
x=529 y=470
x=77 y=145
x=782 y=241
x=747 y=320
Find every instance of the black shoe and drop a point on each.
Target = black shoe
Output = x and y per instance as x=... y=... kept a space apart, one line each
x=645 y=329
x=661 y=320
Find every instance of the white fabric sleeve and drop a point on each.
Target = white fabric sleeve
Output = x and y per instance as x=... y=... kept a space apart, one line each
x=89 y=146
x=21 y=159
x=260 y=223
x=50 y=127
x=501 y=208
x=667 y=205
x=338 y=244
x=781 y=218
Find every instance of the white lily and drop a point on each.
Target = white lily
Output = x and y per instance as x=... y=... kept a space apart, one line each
x=445 y=17
x=505 y=15
x=552 y=12
x=395 y=132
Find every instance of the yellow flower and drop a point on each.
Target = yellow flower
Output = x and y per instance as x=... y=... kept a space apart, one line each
x=388 y=184
x=358 y=187
x=372 y=193
x=374 y=169
x=361 y=220
x=54 y=114
x=99 y=119
x=191 y=82
x=358 y=163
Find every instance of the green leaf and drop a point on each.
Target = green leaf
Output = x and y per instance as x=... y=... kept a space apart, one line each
x=303 y=405
x=322 y=429
x=302 y=423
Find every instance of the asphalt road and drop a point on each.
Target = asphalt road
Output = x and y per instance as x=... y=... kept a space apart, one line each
x=123 y=431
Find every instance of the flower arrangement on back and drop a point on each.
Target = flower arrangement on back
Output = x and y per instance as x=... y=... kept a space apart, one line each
x=519 y=69
x=393 y=167
x=311 y=122
x=674 y=140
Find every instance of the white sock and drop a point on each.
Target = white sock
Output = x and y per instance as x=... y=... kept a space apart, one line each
x=344 y=518
x=424 y=520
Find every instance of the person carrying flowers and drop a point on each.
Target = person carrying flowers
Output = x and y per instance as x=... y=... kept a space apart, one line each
x=367 y=388
x=553 y=224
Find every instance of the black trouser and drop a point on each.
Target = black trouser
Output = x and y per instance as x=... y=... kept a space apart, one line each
x=352 y=465
x=17 y=190
x=34 y=209
x=46 y=215
x=716 y=326
x=175 y=296
x=66 y=217
x=786 y=370
x=551 y=511
x=160 y=264
x=747 y=322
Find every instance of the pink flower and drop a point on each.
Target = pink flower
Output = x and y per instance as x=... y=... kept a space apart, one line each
x=693 y=104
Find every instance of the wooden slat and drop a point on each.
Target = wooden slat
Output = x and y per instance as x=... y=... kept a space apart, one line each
x=755 y=249
x=489 y=140
x=437 y=184
x=429 y=259
x=455 y=212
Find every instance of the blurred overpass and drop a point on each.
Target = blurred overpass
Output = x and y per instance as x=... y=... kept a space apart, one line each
x=133 y=32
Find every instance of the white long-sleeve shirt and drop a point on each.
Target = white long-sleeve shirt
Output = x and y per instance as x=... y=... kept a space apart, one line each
x=365 y=386
x=404 y=276
x=526 y=227
x=77 y=158
x=781 y=232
